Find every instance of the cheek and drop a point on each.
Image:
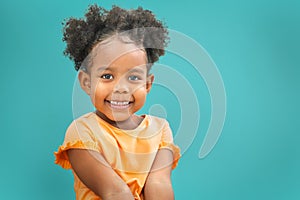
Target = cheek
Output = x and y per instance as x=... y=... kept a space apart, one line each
x=99 y=93
x=140 y=95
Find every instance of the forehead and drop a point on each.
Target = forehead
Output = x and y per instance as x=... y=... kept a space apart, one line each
x=114 y=52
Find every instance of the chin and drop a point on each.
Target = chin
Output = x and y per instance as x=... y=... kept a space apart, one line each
x=119 y=118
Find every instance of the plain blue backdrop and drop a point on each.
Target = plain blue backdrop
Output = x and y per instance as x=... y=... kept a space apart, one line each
x=256 y=46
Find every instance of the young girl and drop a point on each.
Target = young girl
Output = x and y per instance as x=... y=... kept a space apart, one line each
x=114 y=153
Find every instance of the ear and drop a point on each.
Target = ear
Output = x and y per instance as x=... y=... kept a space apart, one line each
x=150 y=80
x=85 y=81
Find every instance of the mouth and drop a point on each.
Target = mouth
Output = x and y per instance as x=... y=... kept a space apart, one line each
x=118 y=104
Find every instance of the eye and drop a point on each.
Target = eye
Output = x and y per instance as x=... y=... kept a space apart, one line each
x=134 y=78
x=107 y=76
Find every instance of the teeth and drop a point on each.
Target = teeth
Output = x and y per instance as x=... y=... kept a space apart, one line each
x=119 y=102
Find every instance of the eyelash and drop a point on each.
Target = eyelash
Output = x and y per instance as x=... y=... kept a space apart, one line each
x=136 y=78
x=131 y=77
x=104 y=76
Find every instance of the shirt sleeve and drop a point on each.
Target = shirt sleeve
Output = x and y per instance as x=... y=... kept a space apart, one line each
x=167 y=143
x=78 y=136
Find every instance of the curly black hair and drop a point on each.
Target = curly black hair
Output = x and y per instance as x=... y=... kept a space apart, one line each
x=140 y=25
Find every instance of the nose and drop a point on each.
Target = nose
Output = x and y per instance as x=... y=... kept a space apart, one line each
x=121 y=86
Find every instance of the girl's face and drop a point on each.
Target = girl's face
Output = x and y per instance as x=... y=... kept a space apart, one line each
x=118 y=81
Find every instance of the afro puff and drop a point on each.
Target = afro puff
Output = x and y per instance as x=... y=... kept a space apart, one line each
x=140 y=25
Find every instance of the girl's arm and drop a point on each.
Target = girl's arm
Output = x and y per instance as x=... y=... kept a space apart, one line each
x=93 y=170
x=158 y=184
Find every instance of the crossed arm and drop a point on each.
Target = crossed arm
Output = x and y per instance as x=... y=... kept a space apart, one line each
x=158 y=185
x=93 y=170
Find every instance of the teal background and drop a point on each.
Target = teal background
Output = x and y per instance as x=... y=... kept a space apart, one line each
x=255 y=45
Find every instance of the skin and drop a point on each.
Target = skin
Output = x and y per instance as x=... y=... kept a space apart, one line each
x=158 y=184
x=118 y=82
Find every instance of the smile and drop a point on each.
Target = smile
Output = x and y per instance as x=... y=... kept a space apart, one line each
x=118 y=104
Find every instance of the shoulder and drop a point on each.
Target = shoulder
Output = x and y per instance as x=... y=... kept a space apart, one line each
x=82 y=124
x=85 y=119
x=156 y=122
x=156 y=119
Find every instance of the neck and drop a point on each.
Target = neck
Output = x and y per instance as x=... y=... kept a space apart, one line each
x=129 y=124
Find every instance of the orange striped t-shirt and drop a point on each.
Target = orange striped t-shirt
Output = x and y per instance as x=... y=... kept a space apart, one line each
x=129 y=152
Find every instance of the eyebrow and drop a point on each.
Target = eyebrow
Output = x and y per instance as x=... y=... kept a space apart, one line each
x=137 y=70
x=104 y=68
x=134 y=70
